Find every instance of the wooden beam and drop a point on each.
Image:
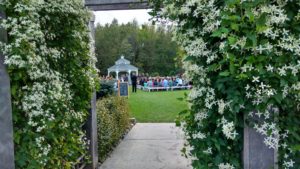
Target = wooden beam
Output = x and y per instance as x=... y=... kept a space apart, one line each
x=102 y=5
x=6 y=125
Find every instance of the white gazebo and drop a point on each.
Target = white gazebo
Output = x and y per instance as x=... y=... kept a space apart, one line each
x=122 y=65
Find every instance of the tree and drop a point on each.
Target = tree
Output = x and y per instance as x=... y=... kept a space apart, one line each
x=148 y=47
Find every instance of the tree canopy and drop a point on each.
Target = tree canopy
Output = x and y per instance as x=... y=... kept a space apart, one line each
x=149 y=47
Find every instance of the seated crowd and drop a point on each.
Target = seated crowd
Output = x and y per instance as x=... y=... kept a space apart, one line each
x=149 y=83
x=162 y=81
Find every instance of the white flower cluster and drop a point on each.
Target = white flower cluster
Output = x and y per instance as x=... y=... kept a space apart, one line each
x=272 y=138
x=197 y=48
x=228 y=129
x=199 y=135
x=289 y=164
x=222 y=106
x=225 y=166
x=276 y=14
x=193 y=69
x=259 y=91
x=208 y=151
x=271 y=132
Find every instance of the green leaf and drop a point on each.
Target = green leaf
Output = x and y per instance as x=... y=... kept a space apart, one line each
x=261 y=28
x=183 y=112
x=216 y=34
x=295 y=134
x=232 y=40
x=252 y=38
x=14 y=89
x=242 y=76
x=296 y=148
x=250 y=15
x=219 y=32
x=225 y=73
x=213 y=67
x=220 y=86
x=234 y=26
x=232 y=67
x=234 y=18
x=261 y=21
x=177 y=123
x=188 y=58
x=278 y=98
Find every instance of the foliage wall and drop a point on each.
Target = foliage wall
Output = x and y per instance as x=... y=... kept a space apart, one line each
x=243 y=58
x=149 y=48
x=113 y=123
x=51 y=65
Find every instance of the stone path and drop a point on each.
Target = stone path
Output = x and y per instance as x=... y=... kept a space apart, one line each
x=149 y=146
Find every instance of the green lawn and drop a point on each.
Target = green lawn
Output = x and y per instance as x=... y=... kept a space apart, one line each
x=156 y=106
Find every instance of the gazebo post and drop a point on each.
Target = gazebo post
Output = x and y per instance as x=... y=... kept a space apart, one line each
x=117 y=75
x=129 y=76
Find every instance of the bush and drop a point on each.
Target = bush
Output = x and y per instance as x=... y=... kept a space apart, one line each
x=243 y=58
x=52 y=74
x=113 y=123
x=106 y=89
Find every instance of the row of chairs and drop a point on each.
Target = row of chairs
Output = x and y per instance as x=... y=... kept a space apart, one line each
x=159 y=88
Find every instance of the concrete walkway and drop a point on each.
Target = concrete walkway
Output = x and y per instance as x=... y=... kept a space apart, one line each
x=149 y=146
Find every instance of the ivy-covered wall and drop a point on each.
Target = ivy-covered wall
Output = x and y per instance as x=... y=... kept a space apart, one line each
x=243 y=57
x=52 y=73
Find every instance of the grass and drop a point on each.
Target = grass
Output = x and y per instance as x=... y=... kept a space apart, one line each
x=156 y=106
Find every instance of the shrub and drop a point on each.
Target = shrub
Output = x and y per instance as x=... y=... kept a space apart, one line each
x=243 y=59
x=52 y=73
x=106 y=89
x=113 y=123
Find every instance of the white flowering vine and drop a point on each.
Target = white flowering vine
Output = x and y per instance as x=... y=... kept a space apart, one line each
x=53 y=74
x=243 y=58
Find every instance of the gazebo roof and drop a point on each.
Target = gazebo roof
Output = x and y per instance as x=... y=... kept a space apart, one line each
x=122 y=60
x=122 y=65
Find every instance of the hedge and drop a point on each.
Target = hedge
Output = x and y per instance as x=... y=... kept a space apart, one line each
x=113 y=123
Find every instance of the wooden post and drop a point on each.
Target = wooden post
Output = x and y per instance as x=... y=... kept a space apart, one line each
x=6 y=125
x=91 y=125
x=256 y=155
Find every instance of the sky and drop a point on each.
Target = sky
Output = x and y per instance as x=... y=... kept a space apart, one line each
x=123 y=16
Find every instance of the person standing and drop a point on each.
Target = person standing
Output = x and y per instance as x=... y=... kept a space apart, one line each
x=180 y=82
x=134 y=82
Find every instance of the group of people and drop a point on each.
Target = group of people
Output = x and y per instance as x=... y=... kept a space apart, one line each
x=162 y=81
x=146 y=81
